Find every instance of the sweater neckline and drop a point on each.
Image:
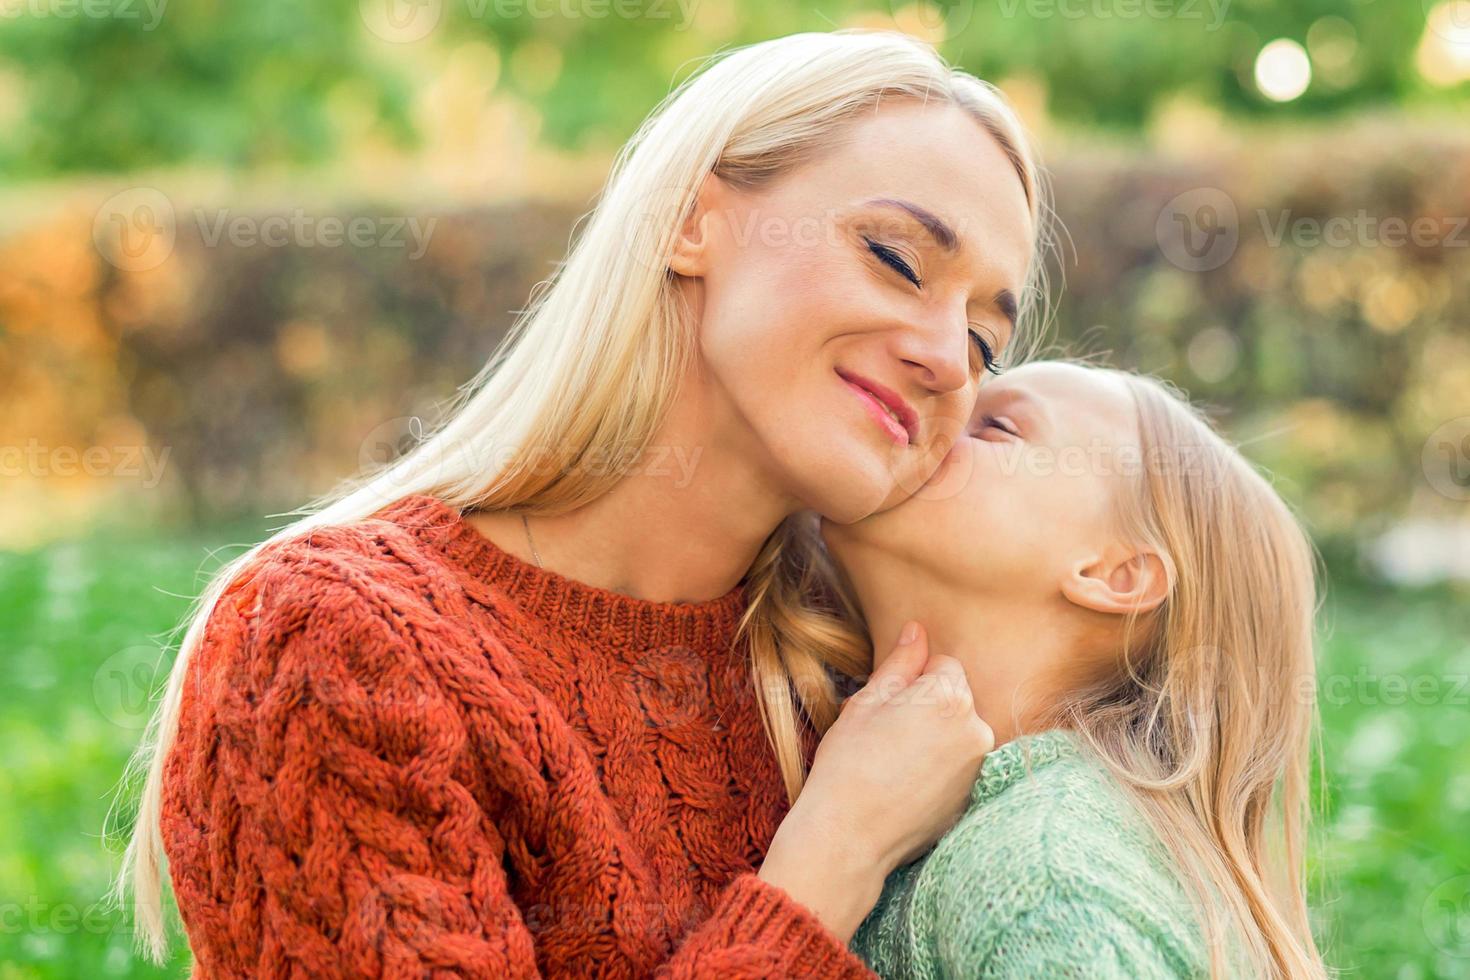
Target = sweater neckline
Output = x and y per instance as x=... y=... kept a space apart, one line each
x=600 y=616
x=1018 y=757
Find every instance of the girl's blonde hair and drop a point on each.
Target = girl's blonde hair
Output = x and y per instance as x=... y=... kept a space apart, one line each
x=1207 y=713
x=1210 y=720
x=590 y=368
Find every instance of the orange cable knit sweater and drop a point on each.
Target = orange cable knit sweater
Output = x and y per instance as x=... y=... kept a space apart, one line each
x=404 y=752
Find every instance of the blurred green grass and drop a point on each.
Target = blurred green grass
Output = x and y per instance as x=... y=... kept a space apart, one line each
x=83 y=622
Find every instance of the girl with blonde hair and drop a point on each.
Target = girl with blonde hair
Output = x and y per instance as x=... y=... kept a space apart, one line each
x=534 y=701
x=1133 y=606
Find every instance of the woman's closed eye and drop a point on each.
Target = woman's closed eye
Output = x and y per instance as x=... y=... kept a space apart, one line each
x=987 y=353
x=890 y=257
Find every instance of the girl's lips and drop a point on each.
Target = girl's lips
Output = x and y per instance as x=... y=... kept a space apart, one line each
x=879 y=413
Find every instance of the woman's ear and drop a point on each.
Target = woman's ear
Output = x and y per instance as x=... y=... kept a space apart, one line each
x=691 y=253
x=1121 y=581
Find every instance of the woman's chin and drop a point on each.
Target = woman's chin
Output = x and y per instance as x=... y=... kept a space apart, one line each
x=950 y=477
x=873 y=537
x=848 y=493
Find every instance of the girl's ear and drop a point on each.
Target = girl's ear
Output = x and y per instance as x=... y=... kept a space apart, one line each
x=1121 y=581
x=691 y=254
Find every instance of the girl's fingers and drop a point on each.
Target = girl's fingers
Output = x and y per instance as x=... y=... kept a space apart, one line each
x=907 y=660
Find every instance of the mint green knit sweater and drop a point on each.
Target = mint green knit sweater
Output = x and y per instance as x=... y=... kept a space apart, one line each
x=1051 y=874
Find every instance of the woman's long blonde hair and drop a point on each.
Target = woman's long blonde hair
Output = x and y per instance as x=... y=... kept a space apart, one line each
x=1207 y=714
x=590 y=367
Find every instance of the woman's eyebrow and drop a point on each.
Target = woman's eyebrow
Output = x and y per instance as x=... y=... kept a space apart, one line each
x=1005 y=301
x=949 y=240
x=933 y=224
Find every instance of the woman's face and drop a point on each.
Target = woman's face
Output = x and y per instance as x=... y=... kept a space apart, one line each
x=842 y=308
x=1021 y=500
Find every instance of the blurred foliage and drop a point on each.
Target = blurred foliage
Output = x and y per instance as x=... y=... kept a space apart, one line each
x=116 y=85
x=257 y=376
x=1325 y=340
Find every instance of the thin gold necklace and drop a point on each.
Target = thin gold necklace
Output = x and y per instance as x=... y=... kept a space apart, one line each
x=526 y=523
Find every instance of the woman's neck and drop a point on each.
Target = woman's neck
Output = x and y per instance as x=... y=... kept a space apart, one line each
x=683 y=525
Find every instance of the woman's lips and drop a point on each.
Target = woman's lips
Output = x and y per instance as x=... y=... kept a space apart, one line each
x=879 y=413
x=887 y=407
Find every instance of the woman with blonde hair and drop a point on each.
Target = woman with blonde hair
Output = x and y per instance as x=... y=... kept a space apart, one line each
x=1133 y=606
x=537 y=699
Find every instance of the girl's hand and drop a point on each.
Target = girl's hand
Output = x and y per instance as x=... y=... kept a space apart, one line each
x=892 y=774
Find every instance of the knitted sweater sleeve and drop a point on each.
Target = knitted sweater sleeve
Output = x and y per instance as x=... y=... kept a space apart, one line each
x=324 y=797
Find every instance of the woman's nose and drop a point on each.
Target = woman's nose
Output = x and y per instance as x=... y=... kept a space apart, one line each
x=938 y=350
